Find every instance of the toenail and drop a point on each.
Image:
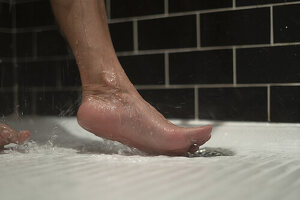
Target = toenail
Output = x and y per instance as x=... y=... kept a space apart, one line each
x=194 y=147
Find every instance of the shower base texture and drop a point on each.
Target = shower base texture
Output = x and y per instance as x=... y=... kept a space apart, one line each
x=63 y=161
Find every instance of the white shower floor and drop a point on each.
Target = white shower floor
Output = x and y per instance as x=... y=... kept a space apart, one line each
x=66 y=162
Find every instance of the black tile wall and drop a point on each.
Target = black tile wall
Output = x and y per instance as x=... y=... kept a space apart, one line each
x=258 y=2
x=124 y=41
x=25 y=101
x=33 y=14
x=172 y=103
x=49 y=80
x=171 y=32
x=190 y=5
x=24 y=42
x=6 y=103
x=285 y=104
x=144 y=69
x=286 y=23
x=39 y=74
x=6 y=45
x=6 y=74
x=238 y=104
x=62 y=103
x=249 y=26
x=51 y=43
x=130 y=8
x=268 y=64
x=6 y=15
x=201 y=67
x=69 y=73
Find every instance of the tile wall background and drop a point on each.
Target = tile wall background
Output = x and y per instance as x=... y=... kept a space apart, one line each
x=192 y=59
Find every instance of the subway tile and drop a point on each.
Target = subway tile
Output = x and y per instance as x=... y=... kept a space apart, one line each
x=70 y=74
x=201 y=67
x=170 y=32
x=38 y=74
x=285 y=104
x=32 y=14
x=6 y=15
x=260 y=2
x=268 y=64
x=144 y=69
x=190 y=5
x=24 y=44
x=286 y=23
x=172 y=103
x=236 y=104
x=6 y=103
x=61 y=103
x=25 y=101
x=6 y=45
x=130 y=8
x=6 y=74
x=122 y=36
x=51 y=43
x=239 y=27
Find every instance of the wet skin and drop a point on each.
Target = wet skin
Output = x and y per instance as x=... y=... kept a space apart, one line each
x=8 y=135
x=111 y=107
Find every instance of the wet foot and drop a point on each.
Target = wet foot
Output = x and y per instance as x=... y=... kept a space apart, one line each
x=8 y=135
x=123 y=115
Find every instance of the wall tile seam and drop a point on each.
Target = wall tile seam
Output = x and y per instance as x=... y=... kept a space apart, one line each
x=155 y=51
x=161 y=87
x=6 y=30
x=182 y=50
x=35 y=29
x=191 y=86
x=25 y=1
x=178 y=14
x=51 y=89
x=158 y=87
x=45 y=58
x=7 y=89
x=15 y=61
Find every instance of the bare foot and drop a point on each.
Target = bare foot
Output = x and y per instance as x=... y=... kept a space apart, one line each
x=8 y=135
x=123 y=115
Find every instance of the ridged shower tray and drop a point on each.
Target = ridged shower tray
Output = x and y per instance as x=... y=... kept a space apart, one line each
x=62 y=161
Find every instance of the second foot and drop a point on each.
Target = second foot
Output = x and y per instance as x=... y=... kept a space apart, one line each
x=127 y=118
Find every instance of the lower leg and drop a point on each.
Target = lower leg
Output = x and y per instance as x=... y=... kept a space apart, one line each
x=111 y=106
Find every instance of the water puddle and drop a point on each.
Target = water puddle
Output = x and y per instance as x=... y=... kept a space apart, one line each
x=211 y=152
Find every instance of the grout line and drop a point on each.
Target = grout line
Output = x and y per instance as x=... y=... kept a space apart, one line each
x=166 y=3
x=34 y=45
x=156 y=16
x=135 y=36
x=271 y=26
x=198 y=30
x=108 y=9
x=6 y=30
x=234 y=3
x=179 y=50
x=48 y=58
x=187 y=86
x=14 y=62
x=269 y=102
x=234 y=65
x=167 y=74
x=34 y=100
x=34 y=29
x=196 y=103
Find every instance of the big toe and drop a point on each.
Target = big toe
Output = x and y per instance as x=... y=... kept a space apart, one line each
x=198 y=136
